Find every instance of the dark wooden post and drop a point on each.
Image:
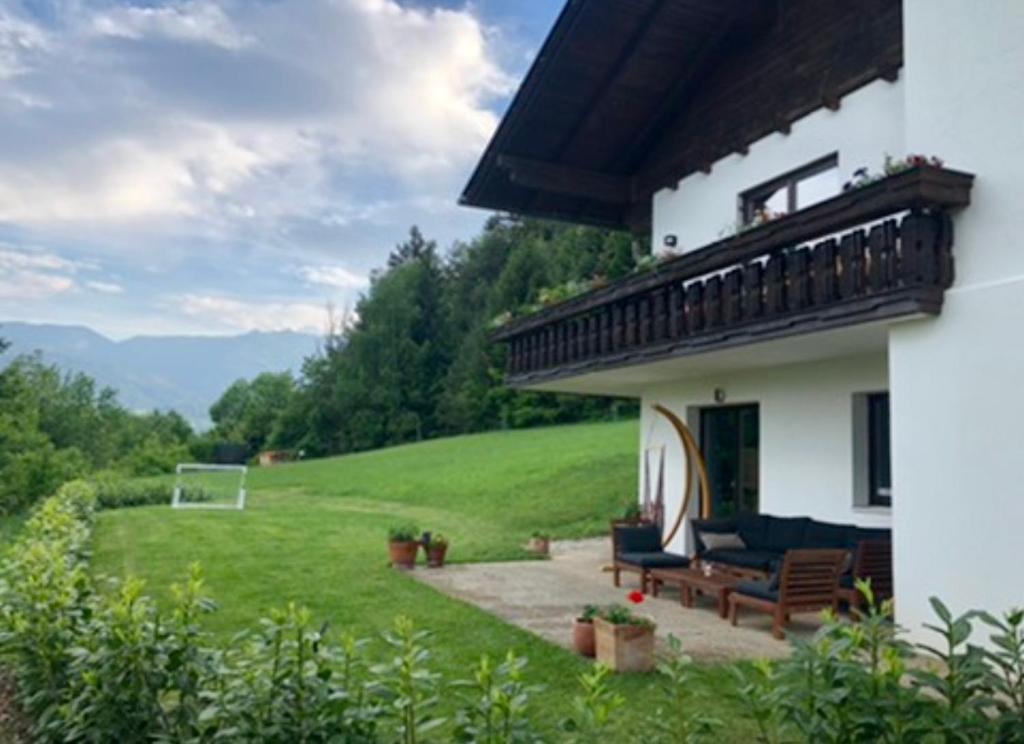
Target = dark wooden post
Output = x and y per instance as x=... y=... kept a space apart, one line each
x=825 y=272
x=713 y=302
x=695 y=307
x=753 y=289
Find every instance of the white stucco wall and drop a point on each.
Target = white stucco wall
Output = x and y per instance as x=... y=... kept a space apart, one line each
x=806 y=462
x=703 y=208
x=958 y=382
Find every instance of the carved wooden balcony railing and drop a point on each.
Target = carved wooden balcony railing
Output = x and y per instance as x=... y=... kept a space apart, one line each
x=874 y=253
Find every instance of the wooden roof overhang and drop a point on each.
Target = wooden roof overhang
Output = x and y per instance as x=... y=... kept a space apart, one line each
x=629 y=96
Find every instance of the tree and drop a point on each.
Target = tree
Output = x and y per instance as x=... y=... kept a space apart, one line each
x=247 y=411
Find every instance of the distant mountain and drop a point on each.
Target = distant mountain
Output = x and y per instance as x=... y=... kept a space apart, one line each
x=186 y=373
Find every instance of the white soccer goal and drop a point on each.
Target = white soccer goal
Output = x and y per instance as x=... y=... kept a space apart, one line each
x=206 y=486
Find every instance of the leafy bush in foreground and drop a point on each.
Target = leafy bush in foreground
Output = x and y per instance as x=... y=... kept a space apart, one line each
x=107 y=666
x=861 y=682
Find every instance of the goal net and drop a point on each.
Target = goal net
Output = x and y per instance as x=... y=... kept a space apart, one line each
x=205 y=486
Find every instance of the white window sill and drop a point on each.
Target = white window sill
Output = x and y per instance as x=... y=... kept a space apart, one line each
x=880 y=510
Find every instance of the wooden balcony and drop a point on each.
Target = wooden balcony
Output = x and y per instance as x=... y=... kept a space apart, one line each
x=878 y=252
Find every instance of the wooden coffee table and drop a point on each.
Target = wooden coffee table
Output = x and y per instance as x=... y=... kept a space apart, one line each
x=693 y=580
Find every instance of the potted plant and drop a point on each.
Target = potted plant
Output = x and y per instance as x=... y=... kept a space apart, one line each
x=540 y=543
x=583 y=631
x=623 y=640
x=403 y=544
x=436 y=547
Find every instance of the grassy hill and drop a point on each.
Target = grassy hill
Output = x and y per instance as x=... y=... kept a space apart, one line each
x=315 y=533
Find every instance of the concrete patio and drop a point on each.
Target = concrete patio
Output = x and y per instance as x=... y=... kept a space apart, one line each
x=544 y=596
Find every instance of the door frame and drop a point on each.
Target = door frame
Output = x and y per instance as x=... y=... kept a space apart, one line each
x=702 y=426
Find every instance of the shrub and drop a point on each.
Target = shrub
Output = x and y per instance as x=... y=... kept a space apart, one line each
x=44 y=592
x=496 y=703
x=113 y=492
x=852 y=682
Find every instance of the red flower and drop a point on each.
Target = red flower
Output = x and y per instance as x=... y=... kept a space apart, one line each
x=636 y=597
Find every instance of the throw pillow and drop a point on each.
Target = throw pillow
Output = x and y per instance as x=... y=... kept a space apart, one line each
x=722 y=540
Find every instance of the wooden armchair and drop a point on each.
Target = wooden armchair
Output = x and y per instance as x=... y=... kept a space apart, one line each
x=807 y=582
x=872 y=562
x=637 y=549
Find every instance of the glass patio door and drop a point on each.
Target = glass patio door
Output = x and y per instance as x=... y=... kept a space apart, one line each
x=729 y=441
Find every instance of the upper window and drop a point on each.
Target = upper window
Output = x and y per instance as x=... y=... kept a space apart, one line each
x=795 y=190
x=879 y=455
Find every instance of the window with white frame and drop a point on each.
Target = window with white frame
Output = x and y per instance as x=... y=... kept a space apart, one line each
x=802 y=187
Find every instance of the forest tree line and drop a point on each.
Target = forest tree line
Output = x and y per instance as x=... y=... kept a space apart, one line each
x=415 y=361
x=412 y=361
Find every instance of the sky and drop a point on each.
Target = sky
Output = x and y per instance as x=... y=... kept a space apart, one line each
x=220 y=166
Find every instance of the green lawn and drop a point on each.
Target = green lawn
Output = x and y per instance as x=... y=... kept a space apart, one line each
x=315 y=533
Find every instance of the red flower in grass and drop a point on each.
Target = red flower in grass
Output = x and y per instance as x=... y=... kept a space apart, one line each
x=635 y=597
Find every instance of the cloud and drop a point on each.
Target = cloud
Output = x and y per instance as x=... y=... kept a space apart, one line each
x=105 y=287
x=215 y=143
x=31 y=285
x=19 y=259
x=226 y=112
x=334 y=276
x=231 y=313
x=32 y=275
x=183 y=21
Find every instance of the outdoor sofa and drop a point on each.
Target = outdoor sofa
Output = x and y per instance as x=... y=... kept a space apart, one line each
x=754 y=545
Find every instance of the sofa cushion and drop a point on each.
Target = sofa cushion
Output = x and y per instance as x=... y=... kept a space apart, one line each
x=659 y=559
x=720 y=540
x=645 y=539
x=710 y=525
x=752 y=528
x=759 y=560
x=785 y=533
x=826 y=535
x=759 y=589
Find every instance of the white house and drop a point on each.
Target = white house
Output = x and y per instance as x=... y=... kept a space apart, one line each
x=860 y=357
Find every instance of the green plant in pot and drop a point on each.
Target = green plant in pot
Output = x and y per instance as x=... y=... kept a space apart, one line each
x=437 y=548
x=623 y=640
x=583 y=631
x=403 y=544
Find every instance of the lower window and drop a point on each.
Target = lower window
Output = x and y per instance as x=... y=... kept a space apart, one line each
x=879 y=455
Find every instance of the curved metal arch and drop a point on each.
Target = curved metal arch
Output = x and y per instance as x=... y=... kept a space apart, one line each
x=693 y=458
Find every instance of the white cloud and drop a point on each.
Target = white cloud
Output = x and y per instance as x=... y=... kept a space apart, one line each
x=334 y=276
x=237 y=314
x=21 y=259
x=195 y=21
x=284 y=110
x=105 y=287
x=34 y=275
x=33 y=285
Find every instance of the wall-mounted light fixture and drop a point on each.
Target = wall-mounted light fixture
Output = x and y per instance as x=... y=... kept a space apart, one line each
x=719 y=395
x=670 y=241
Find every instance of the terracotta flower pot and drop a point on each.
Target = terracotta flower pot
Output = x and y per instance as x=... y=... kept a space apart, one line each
x=435 y=555
x=403 y=553
x=583 y=636
x=624 y=648
x=539 y=545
